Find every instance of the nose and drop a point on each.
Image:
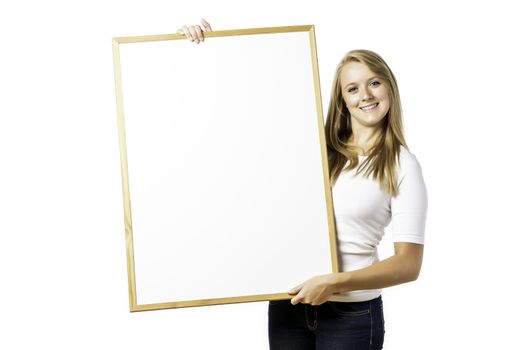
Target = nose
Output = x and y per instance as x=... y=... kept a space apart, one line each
x=367 y=94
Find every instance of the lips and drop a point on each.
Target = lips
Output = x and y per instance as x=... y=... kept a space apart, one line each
x=369 y=107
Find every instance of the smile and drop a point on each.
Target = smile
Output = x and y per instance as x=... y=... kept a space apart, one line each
x=370 y=107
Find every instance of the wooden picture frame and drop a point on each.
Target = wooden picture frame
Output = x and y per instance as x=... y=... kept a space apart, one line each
x=225 y=176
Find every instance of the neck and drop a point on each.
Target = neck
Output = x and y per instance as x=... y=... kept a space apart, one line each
x=364 y=138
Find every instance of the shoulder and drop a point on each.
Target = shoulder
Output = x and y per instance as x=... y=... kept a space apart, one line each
x=407 y=158
x=408 y=163
x=404 y=153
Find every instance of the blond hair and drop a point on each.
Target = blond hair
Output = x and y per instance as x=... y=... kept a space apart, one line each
x=383 y=158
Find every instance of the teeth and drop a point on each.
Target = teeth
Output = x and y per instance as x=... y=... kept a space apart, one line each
x=367 y=108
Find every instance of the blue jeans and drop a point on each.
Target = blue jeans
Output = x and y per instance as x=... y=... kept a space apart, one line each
x=332 y=325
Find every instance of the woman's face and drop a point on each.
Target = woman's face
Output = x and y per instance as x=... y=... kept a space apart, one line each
x=365 y=95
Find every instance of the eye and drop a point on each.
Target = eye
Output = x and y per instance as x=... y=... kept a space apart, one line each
x=375 y=83
x=352 y=89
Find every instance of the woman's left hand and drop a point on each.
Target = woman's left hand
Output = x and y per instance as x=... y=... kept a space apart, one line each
x=315 y=291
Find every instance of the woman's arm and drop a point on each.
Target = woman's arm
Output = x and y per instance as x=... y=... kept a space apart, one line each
x=402 y=267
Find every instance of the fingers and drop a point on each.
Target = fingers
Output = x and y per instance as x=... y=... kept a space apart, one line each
x=206 y=25
x=195 y=32
x=299 y=297
x=296 y=289
x=200 y=37
x=186 y=32
x=192 y=33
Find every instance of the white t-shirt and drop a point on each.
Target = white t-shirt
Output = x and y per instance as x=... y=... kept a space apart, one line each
x=362 y=211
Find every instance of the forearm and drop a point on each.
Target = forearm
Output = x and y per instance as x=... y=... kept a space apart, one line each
x=395 y=270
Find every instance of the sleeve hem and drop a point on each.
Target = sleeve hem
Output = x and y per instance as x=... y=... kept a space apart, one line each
x=409 y=239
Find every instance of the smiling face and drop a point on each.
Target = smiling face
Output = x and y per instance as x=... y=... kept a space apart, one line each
x=365 y=95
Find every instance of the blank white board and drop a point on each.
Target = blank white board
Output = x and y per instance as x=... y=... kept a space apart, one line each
x=224 y=170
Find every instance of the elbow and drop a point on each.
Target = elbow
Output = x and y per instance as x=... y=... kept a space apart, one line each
x=413 y=275
x=410 y=260
x=410 y=271
x=407 y=274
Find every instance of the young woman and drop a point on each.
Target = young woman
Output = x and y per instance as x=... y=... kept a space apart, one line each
x=375 y=180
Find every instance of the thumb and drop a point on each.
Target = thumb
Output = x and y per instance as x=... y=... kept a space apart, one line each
x=296 y=289
x=206 y=25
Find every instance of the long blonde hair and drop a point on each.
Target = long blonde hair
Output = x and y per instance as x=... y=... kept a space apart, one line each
x=384 y=155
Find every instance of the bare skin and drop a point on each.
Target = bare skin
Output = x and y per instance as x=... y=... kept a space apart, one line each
x=194 y=32
x=402 y=267
x=359 y=88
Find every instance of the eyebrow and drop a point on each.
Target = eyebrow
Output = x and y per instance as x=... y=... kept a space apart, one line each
x=374 y=77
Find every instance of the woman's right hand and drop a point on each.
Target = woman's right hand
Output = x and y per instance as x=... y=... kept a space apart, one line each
x=194 y=32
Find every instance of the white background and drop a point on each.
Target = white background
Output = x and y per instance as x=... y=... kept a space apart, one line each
x=62 y=251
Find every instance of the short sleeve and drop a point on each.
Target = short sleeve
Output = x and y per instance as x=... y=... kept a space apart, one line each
x=409 y=207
